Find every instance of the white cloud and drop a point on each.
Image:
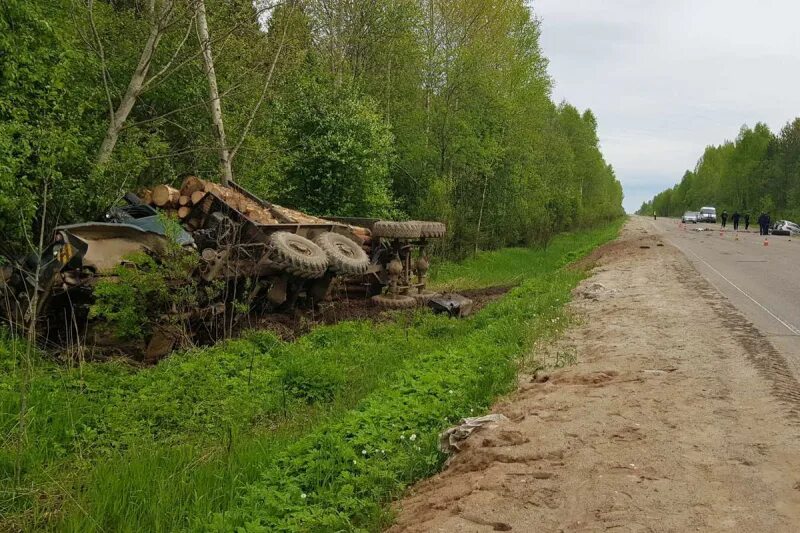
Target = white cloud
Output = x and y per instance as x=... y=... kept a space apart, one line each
x=665 y=78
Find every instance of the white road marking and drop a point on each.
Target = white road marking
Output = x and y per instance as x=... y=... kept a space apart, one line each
x=790 y=327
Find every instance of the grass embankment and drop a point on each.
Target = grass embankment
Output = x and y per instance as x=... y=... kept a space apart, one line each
x=264 y=435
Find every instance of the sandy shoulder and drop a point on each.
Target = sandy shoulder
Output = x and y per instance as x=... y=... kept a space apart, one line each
x=679 y=416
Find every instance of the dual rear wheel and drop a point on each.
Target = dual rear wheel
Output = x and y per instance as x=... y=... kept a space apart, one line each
x=311 y=259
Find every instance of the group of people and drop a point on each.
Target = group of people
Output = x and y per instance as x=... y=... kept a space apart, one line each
x=763 y=221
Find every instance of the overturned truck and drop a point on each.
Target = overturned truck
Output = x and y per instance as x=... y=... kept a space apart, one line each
x=260 y=256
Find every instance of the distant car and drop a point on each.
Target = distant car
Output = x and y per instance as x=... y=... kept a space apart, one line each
x=708 y=214
x=690 y=216
x=785 y=227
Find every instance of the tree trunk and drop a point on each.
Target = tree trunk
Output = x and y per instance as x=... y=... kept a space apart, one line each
x=213 y=92
x=480 y=215
x=131 y=94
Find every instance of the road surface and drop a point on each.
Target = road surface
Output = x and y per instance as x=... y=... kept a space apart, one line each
x=763 y=282
x=679 y=415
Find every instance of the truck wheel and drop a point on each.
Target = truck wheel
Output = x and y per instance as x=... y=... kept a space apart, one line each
x=398 y=301
x=396 y=230
x=432 y=230
x=344 y=255
x=297 y=255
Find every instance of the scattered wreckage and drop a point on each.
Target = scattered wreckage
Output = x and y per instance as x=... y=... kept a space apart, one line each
x=265 y=256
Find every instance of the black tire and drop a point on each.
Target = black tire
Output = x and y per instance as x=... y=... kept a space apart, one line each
x=297 y=255
x=399 y=301
x=431 y=230
x=396 y=230
x=345 y=256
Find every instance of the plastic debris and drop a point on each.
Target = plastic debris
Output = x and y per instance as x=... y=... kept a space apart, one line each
x=451 y=439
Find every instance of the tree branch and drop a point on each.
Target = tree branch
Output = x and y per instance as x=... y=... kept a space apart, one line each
x=102 y=54
x=263 y=93
x=173 y=58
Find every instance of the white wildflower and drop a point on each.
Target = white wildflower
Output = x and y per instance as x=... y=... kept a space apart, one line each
x=363 y=452
x=413 y=437
x=303 y=496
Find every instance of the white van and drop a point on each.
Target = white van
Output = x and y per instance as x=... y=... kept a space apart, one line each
x=708 y=214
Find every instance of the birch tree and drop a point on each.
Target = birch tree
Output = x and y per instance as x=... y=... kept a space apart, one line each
x=215 y=104
x=161 y=15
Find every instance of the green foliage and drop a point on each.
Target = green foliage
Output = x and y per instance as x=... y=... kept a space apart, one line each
x=127 y=300
x=756 y=172
x=233 y=435
x=386 y=108
x=143 y=292
x=341 y=150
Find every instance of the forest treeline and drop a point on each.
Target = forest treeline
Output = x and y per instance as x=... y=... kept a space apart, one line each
x=394 y=108
x=759 y=171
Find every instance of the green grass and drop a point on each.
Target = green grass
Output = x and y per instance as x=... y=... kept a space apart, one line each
x=510 y=266
x=263 y=435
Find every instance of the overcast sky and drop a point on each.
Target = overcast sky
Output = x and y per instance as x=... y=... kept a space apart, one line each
x=665 y=78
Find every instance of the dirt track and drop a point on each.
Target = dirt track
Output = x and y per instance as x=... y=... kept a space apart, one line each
x=678 y=416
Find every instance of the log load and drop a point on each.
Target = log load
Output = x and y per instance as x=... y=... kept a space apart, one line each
x=193 y=190
x=192 y=184
x=197 y=197
x=165 y=196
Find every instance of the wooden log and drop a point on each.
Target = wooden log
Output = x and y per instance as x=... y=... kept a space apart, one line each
x=184 y=200
x=184 y=211
x=192 y=184
x=197 y=197
x=241 y=203
x=165 y=196
x=146 y=196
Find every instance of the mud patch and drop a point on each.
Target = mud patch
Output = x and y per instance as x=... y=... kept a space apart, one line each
x=614 y=250
x=290 y=326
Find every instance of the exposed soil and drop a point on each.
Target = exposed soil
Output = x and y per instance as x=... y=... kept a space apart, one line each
x=286 y=325
x=678 y=416
x=292 y=325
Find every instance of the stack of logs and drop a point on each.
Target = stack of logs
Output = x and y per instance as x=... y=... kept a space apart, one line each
x=193 y=189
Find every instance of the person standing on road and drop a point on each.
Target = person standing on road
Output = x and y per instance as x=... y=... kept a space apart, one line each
x=654 y=215
x=763 y=224
x=736 y=216
x=746 y=221
x=724 y=218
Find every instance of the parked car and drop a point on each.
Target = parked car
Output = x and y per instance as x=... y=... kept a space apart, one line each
x=690 y=216
x=708 y=214
x=785 y=227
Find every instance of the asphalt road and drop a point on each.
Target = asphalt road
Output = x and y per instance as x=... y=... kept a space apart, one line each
x=763 y=282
